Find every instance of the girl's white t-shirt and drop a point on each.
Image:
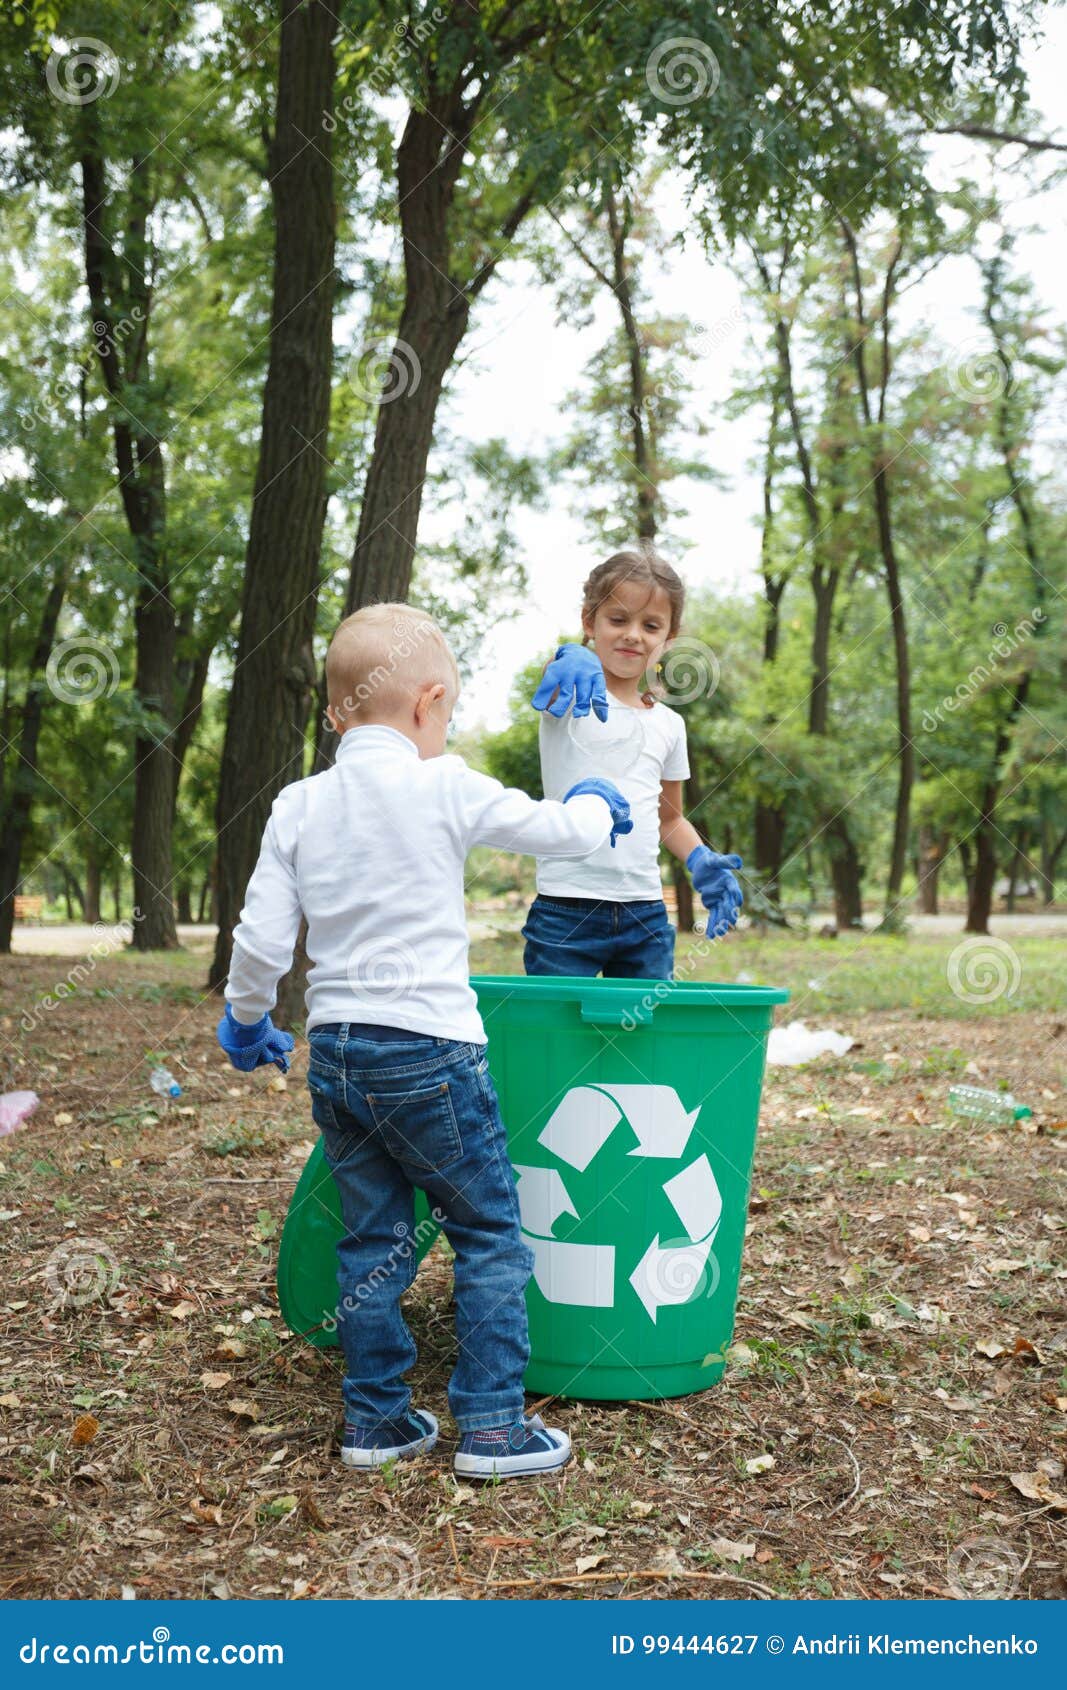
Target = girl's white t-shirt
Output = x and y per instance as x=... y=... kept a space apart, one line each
x=637 y=748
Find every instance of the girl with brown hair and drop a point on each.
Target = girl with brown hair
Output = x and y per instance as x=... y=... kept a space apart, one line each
x=605 y=913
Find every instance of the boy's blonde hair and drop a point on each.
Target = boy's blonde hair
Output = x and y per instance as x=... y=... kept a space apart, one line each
x=381 y=659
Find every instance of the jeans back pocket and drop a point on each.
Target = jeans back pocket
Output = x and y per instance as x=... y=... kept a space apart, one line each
x=417 y=1123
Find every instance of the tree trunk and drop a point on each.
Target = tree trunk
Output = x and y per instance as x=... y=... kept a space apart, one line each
x=1018 y=859
x=769 y=849
x=683 y=892
x=185 y=908
x=1050 y=855
x=967 y=861
x=205 y=894
x=647 y=479
x=153 y=788
x=932 y=849
x=1010 y=446
x=432 y=324
x=769 y=819
x=92 y=889
x=887 y=545
x=846 y=873
x=274 y=674
x=19 y=800
x=980 y=895
x=113 y=286
x=116 y=893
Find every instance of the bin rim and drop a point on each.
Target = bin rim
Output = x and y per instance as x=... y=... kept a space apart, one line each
x=726 y=994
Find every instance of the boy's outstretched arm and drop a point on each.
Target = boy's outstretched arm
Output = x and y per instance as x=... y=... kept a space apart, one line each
x=265 y=936
x=489 y=813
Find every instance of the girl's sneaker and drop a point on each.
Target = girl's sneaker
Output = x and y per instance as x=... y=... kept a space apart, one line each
x=529 y=1446
x=390 y=1440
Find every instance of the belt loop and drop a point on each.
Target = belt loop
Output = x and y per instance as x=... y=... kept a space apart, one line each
x=342 y=1040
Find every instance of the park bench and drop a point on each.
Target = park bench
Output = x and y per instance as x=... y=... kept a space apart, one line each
x=28 y=909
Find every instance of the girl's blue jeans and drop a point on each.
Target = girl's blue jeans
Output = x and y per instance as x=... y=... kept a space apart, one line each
x=398 y=1110
x=587 y=936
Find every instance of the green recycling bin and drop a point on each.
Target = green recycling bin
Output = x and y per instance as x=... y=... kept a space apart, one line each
x=307 y=1254
x=631 y=1110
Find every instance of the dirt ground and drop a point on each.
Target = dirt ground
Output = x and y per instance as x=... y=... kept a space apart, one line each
x=891 y=1423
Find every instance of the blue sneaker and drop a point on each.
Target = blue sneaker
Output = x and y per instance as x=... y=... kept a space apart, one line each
x=503 y=1452
x=390 y=1440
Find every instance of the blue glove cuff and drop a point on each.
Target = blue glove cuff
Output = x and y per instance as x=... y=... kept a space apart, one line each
x=243 y=1032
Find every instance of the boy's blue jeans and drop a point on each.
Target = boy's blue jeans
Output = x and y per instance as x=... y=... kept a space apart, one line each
x=397 y=1110
x=591 y=936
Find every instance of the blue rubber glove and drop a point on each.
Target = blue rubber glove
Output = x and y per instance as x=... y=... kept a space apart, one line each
x=579 y=675
x=254 y=1046
x=714 y=879
x=620 y=809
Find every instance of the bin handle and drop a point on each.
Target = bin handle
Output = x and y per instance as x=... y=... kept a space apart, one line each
x=601 y=1013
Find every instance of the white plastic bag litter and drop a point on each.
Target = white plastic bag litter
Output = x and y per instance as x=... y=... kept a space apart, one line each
x=797 y=1043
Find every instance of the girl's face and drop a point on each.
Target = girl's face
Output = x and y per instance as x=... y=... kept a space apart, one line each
x=630 y=629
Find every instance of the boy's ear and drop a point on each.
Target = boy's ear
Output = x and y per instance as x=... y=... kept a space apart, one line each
x=426 y=700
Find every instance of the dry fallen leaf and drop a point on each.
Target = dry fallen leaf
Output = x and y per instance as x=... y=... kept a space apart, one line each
x=640 y=1510
x=209 y=1512
x=85 y=1429
x=759 y=1464
x=62 y=1120
x=10 y=1400
x=727 y=1550
x=1037 y=1487
x=989 y=1347
x=215 y=1381
x=243 y=1409
x=1024 y=1350
x=586 y=1563
x=230 y=1349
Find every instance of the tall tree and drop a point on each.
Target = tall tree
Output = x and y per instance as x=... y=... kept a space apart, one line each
x=274 y=674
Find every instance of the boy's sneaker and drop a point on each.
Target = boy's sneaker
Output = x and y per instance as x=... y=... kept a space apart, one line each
x=390 y=1440
x=529 y=1446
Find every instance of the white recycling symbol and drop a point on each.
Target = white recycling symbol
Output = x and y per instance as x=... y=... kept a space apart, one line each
x=579 y=1127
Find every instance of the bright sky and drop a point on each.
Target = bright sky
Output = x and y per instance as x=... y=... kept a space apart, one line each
x=519 y=363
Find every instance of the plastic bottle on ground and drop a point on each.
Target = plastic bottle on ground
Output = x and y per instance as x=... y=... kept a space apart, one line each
x=984 y=1105
x=163 y=1083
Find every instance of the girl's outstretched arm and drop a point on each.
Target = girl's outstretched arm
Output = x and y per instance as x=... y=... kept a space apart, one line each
x=680 y=836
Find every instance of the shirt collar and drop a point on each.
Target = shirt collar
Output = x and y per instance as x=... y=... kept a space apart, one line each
x=376 y=736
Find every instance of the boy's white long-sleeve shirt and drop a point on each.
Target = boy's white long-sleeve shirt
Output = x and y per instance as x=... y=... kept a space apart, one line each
x=372 y=853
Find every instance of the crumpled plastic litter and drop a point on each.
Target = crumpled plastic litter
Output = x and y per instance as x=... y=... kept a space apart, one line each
x=787 y=1046
x=15 y=1108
